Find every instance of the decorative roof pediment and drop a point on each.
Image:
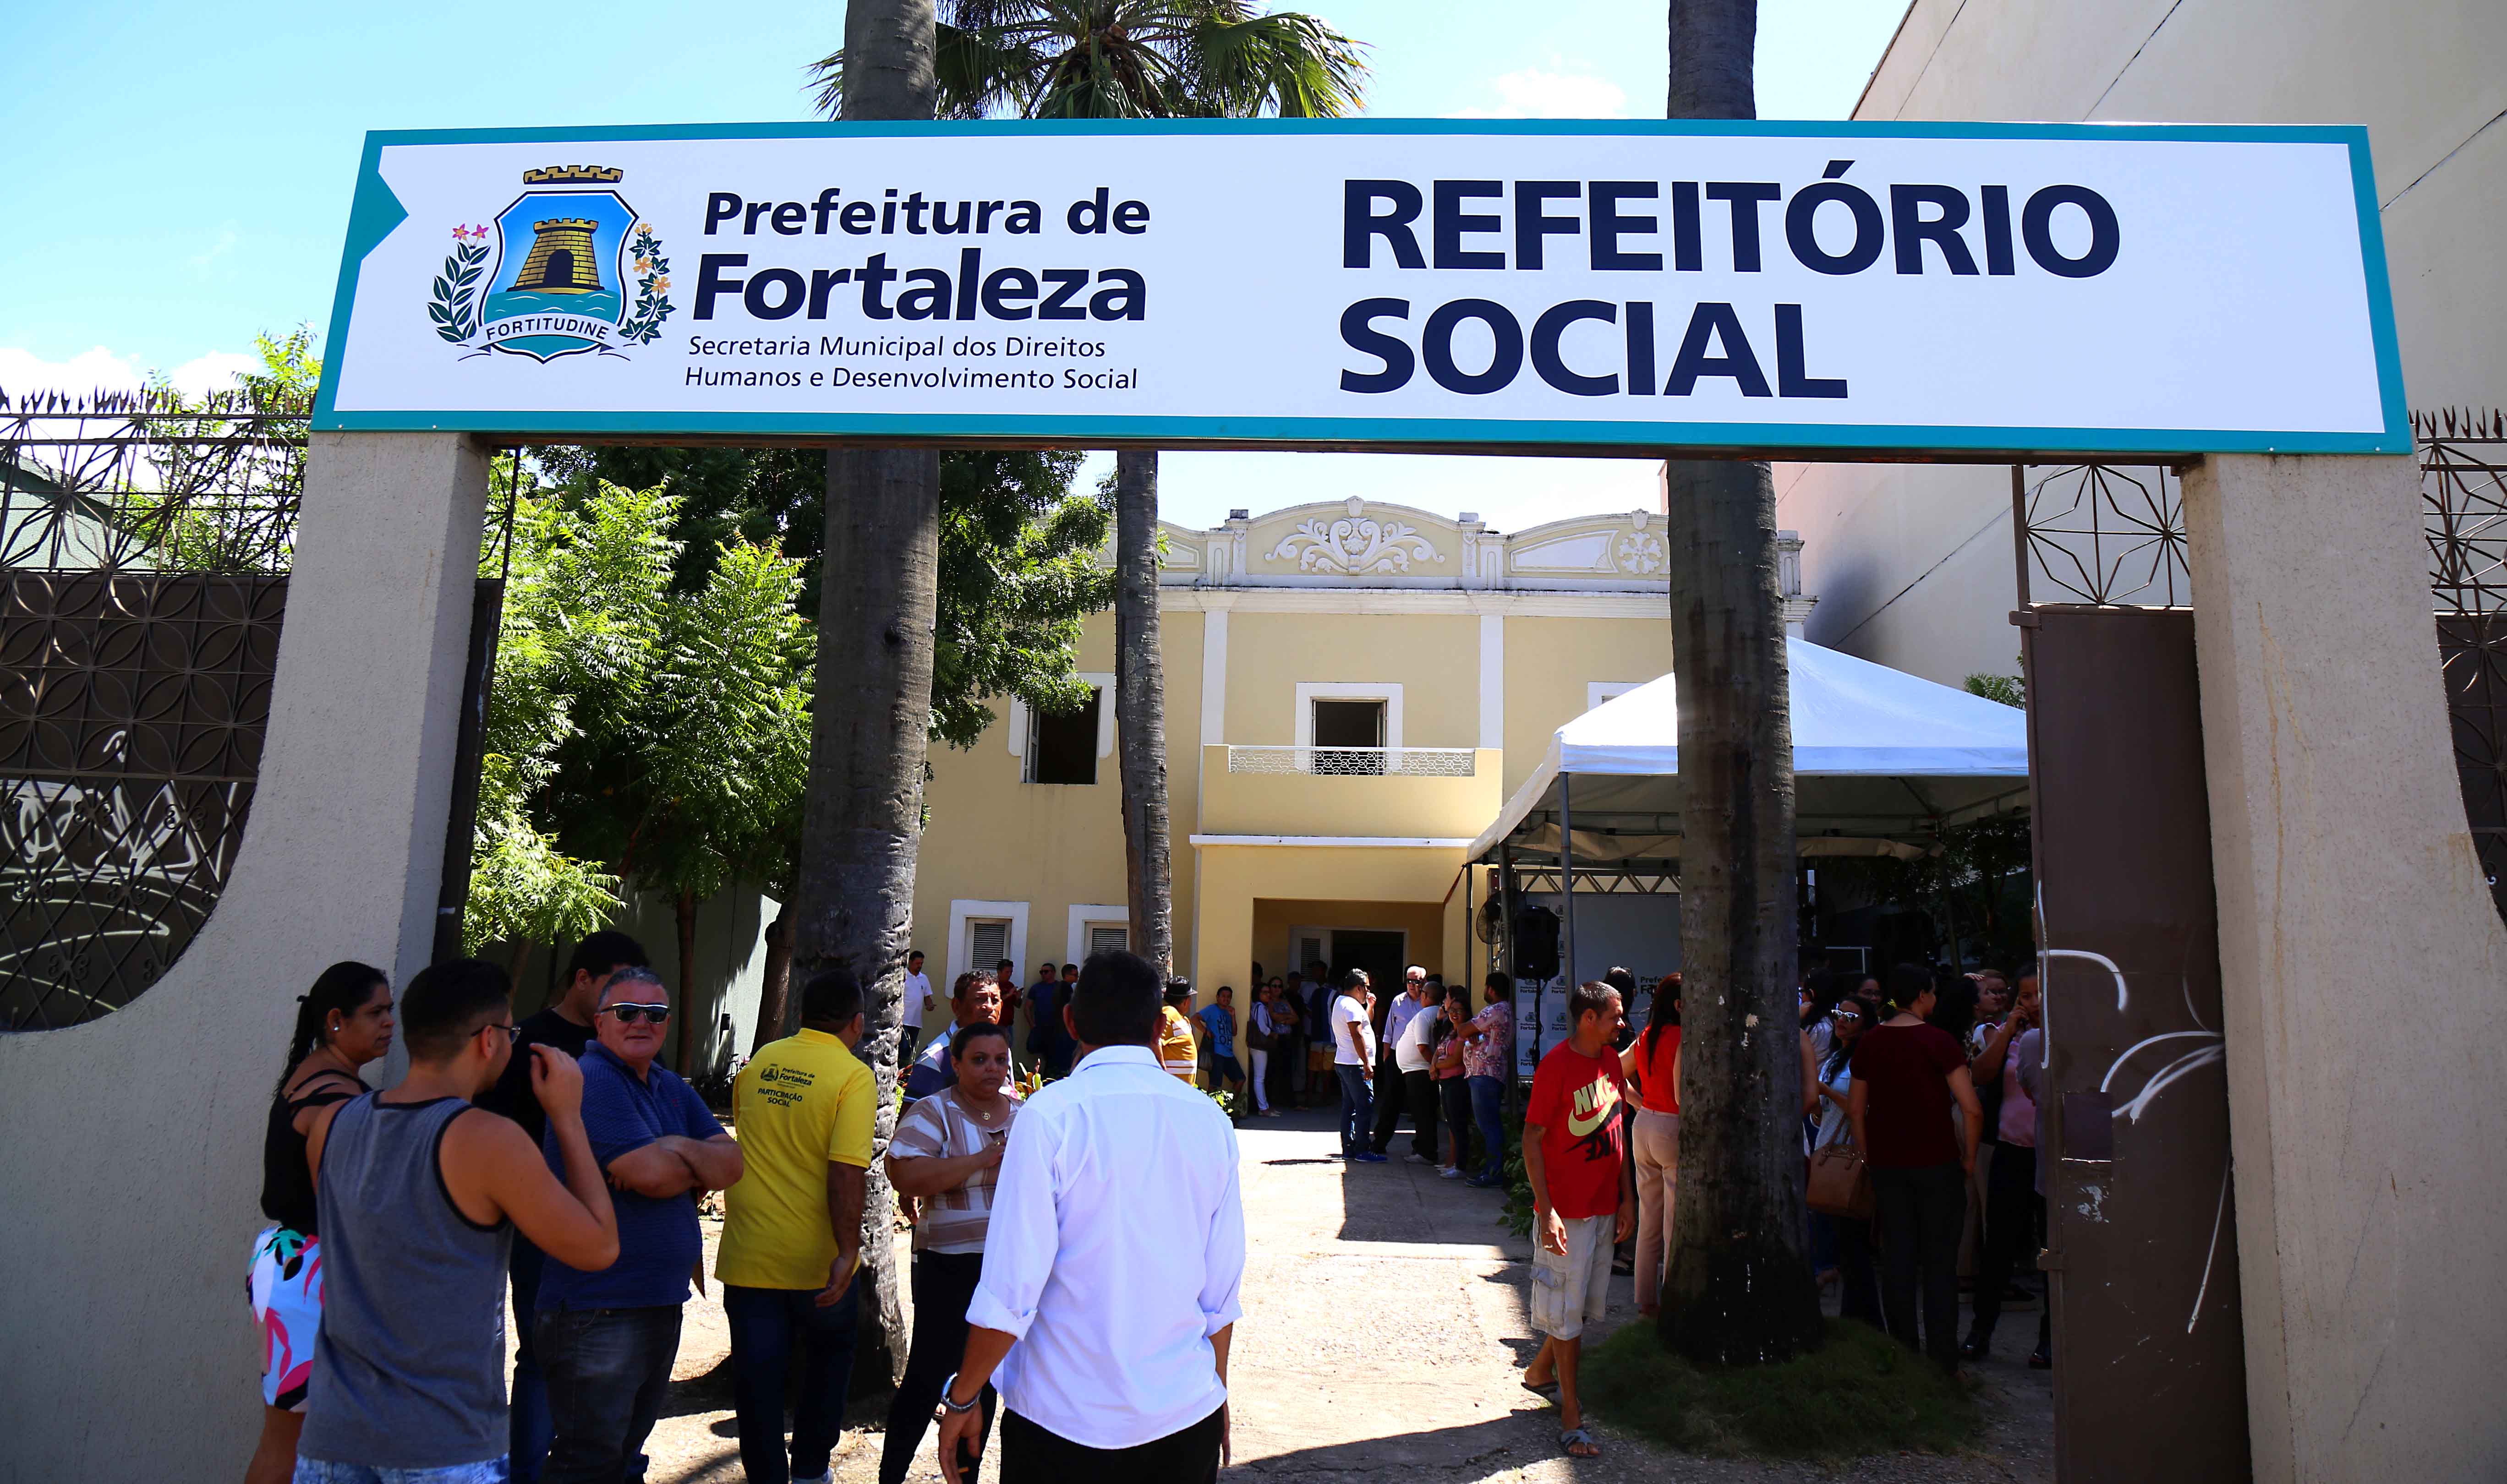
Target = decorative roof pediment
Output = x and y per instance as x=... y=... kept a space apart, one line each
x=1362 y=543
x=1356 y=539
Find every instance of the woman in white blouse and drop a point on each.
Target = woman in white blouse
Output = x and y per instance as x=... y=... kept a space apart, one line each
x=947 y=1152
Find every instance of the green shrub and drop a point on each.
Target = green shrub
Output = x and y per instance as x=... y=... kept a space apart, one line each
x=1860 y=1392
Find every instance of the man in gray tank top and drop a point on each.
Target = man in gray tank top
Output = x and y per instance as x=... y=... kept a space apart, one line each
x=420 y=1194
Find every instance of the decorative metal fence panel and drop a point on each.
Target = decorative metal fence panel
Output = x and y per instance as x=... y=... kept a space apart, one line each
x=2111 y=536
x=1357 y=762
x=132 y=706
x=2463 y=492
x=2103 y=534
x=144 y=543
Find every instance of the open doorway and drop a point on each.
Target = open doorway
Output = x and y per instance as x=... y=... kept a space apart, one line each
x=1382 y=952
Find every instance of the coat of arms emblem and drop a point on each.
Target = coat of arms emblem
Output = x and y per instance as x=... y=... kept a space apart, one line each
x=568 y=268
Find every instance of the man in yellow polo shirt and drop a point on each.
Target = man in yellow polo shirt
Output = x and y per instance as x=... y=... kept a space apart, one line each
x=791 y=1243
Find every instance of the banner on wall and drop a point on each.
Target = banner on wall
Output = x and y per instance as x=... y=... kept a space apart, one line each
x=1379 y=284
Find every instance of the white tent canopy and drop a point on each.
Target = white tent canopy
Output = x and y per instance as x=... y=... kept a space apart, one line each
x=1881 y=761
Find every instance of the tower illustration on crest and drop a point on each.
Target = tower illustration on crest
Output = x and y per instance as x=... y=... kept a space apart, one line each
x=561 y=259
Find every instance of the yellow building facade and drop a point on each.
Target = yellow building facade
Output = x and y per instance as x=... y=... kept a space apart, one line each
x=1352 y=689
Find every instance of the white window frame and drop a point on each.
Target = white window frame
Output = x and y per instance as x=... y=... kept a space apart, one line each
x=1598 y=691
x=1387 y=691
x=1021 y=723
x=1085 y=915
x=960 y=941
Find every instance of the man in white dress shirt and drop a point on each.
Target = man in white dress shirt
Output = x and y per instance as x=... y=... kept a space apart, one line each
x=1111 y=1276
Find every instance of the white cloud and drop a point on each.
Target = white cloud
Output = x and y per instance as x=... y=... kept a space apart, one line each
x=23 y=371
x=1535 y=94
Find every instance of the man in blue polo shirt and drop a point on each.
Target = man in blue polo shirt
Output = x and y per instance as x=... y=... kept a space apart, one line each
x=606 y=1339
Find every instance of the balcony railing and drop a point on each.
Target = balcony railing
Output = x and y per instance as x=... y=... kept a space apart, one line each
x=1356 y=762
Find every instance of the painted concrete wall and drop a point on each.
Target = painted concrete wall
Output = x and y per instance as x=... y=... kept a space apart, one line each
x=1551 y=667
x=1913 y=565
x=731 y=968
x=1234 y=878
x=132 y=1158
x=1433 y=658
x=1306 y=804
x=2368 y=1242
x=1047 y=847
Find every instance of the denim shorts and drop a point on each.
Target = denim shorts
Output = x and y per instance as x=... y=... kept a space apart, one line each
x=320 y=1471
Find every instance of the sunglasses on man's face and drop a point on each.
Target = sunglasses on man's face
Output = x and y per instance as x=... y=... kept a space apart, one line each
x=630 y=1014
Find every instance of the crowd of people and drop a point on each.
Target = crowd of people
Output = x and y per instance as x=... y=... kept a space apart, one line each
x=1931 y=1077
x=557 y=1160
x=1423 y=1052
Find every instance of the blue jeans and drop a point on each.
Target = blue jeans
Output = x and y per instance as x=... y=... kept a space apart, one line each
x=526 y=1417
x=1488 y=1096
x=608 y=1373
x=766 y=1325
x=318 y=1471
x=1355 y=1105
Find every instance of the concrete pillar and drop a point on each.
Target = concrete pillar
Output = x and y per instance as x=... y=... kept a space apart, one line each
x=2362 y=961
x=132 y=1152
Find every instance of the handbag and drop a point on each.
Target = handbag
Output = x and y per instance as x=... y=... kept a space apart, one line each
x=1256 y=1037
x=1841 y=1182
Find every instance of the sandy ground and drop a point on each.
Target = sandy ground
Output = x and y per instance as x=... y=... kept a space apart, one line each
x=1384 y=1322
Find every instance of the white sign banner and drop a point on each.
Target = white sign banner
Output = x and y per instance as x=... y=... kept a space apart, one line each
x=1536 y=287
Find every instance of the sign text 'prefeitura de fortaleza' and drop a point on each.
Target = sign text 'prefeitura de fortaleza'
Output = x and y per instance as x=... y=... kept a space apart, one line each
x=1540 y=288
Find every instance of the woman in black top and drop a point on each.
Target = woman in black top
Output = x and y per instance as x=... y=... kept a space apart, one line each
x=342 y=1022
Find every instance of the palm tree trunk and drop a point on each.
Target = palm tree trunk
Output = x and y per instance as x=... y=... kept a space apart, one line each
x=1141 y=706
x=871 y=715
x=775 y=996
x=870 y=723
x=1739 y=1289
x=683 y=910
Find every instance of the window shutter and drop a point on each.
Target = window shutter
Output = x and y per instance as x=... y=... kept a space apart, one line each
x=988 y=942
x=1109 y=937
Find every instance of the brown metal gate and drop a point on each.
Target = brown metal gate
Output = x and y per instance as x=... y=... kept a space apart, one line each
x=2141 y=1250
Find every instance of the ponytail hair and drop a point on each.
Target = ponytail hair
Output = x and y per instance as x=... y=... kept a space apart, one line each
x=342 y=987
x=1663 y=1010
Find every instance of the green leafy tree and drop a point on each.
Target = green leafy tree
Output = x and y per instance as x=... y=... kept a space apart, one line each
x=1017 y=575
x=717 y=753
x=1018 y=556
x=226 y=481
x=1132 y=59
x=581 y=624
x=2010 y=690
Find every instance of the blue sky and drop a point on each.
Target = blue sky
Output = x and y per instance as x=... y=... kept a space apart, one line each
x=178 y=176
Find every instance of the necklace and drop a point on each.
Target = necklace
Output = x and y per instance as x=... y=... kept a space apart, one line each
x=979 y=1115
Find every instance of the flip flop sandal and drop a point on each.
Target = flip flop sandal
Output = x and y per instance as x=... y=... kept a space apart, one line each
x=1547 y=1391
x=1569 y=1438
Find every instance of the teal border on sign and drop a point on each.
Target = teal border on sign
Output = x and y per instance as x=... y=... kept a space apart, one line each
x=375 y=211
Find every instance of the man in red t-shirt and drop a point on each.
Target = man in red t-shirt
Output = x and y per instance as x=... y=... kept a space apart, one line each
x=1583 y=1196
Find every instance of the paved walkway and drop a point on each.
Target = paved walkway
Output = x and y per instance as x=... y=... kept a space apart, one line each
x=1384 y=1325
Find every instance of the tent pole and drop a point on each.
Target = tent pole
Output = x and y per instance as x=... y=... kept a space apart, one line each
x=1506 y=943
x=1567 y=880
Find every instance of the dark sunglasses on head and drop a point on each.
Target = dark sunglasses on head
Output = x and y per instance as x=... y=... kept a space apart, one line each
x=629 y=1013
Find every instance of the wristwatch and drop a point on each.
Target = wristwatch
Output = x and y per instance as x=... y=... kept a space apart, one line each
x=950 y=1385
